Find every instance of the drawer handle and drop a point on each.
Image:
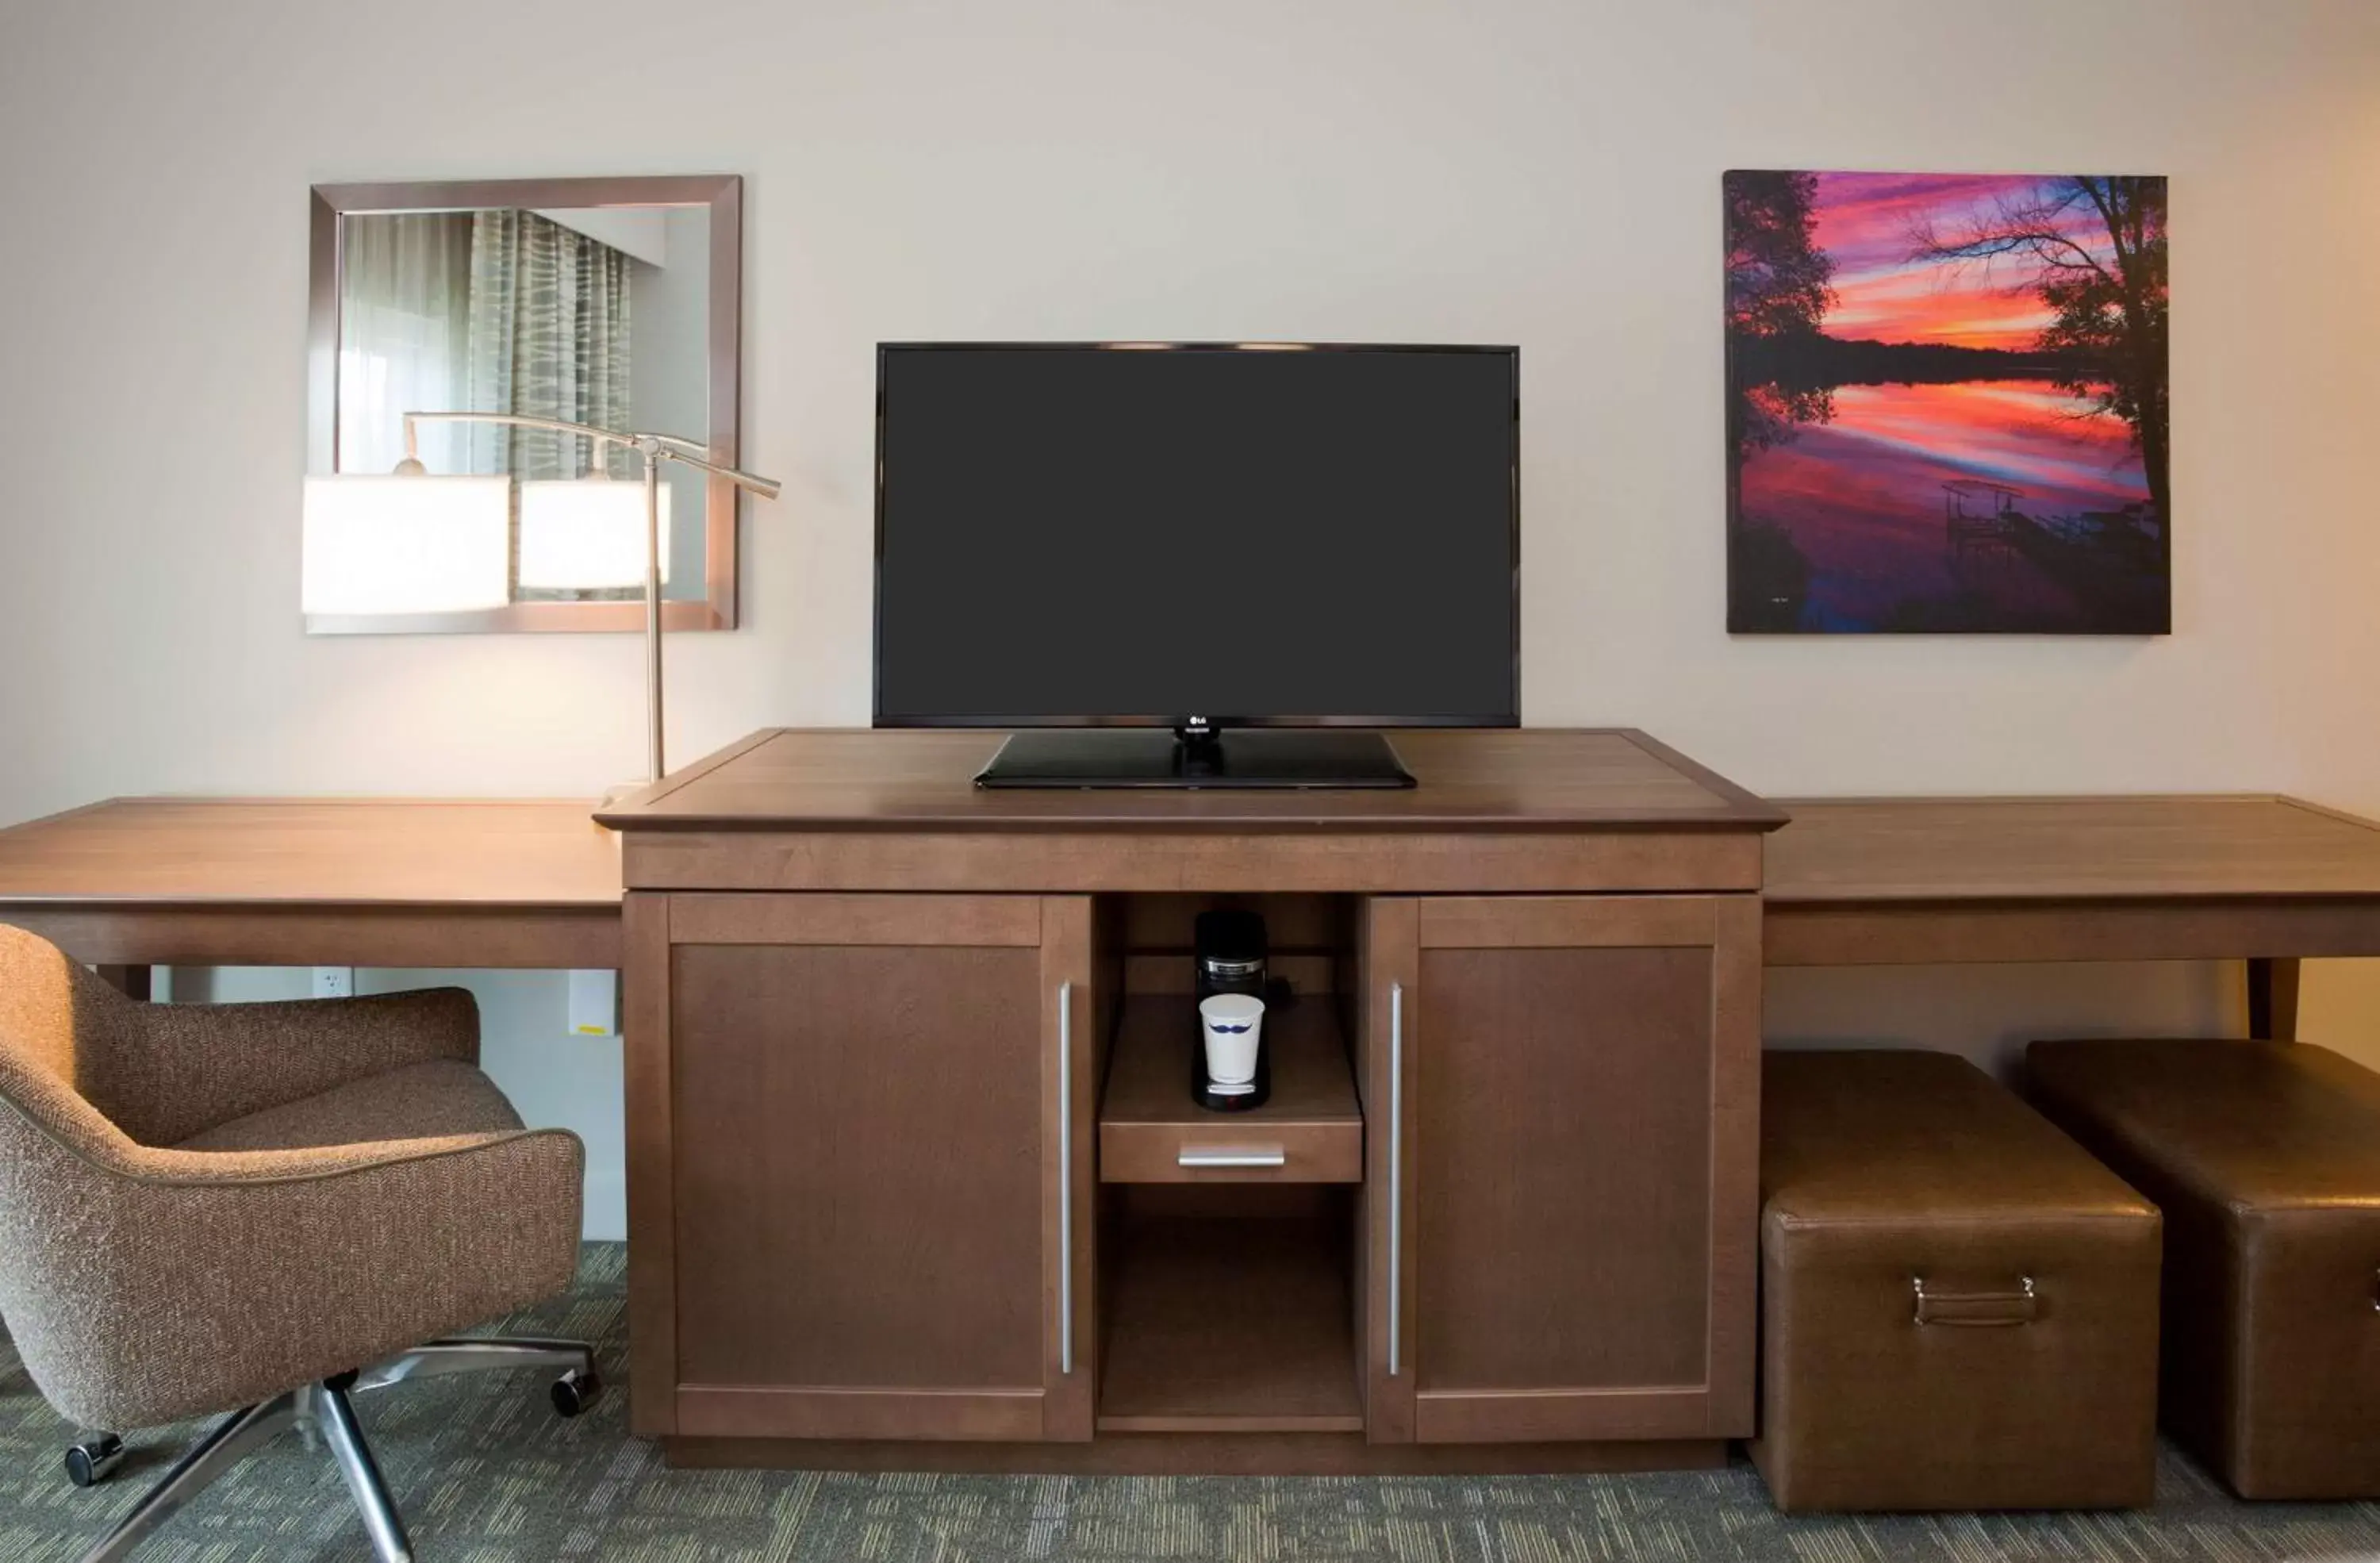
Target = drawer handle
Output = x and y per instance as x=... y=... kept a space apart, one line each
x=1233 y=1156
x=1976 y=1310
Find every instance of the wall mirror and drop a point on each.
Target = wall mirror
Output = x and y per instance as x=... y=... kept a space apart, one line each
x=609 y=302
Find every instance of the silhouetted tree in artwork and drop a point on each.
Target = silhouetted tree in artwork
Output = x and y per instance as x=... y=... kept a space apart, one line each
x=1776 y=288
x=2109 y=303
x=1777 y=291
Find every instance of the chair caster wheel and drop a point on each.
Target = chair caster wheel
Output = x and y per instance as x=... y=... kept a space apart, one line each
x=95 y=1459
x=577 y=1390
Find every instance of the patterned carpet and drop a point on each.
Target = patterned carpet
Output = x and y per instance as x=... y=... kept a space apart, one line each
x=487 y=1474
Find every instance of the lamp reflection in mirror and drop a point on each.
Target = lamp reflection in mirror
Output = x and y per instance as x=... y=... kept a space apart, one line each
x=586 y=534
x=407 y=544
x=430 y=536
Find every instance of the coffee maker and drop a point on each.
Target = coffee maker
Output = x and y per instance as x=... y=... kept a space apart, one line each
x=1231 y=959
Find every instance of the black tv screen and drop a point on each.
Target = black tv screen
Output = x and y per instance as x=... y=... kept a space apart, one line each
x=1133 y=535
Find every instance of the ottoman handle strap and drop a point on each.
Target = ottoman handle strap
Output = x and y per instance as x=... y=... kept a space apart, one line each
x=1976 y=1309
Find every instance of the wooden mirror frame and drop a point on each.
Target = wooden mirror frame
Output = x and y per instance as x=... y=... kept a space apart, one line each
x=723 y=193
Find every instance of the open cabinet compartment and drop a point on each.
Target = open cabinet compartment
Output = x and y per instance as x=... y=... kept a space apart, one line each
x=1229 y=1300
x=1229 y=1310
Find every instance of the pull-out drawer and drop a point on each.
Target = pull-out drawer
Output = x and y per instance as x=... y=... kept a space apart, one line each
x=1309 y=1131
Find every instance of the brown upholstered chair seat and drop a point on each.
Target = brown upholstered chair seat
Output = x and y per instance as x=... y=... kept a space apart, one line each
x=1958 y=1305
x=426 y=1101
x=2266 y=1158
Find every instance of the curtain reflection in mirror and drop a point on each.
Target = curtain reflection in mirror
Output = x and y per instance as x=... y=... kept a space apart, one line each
x=549 y=336
x=405 y=320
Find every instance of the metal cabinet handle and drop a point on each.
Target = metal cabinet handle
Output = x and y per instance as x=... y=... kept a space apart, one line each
x=1066 y=1177
x=1227 y=1156
x=1396 y=1164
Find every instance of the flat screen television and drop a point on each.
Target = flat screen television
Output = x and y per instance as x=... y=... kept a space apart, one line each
x=1196 y=565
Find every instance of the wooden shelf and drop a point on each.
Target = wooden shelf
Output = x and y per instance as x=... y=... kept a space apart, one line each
x=1228 y=1323
x=1148 y=1119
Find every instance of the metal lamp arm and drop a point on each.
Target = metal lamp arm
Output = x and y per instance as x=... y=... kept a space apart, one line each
x=662 y=446
x=601 y=436
x=667 y=447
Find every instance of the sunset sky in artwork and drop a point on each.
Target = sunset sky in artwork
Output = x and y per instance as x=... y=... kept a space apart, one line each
x=1866 y=221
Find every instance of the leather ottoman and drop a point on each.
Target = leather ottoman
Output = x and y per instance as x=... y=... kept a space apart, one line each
x=1958 y=1305
x=2266 y=1158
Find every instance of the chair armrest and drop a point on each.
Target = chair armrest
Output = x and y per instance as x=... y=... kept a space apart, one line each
x=169 y=1283
x=185 y=1068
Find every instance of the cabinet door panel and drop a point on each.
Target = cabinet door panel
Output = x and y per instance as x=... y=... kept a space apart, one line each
x=1562 y=1153
x=863 y=1207
x=1580 y=1142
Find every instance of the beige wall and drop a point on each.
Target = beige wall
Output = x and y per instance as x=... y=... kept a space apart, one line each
x=1494 y=170
x=2342 y=1008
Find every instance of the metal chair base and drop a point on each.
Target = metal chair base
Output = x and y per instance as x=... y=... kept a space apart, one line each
x=324 y=1410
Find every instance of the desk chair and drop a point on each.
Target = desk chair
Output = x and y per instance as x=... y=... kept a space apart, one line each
x=259 y=1209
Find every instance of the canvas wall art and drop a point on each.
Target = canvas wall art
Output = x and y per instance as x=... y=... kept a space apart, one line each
x=1946 y=403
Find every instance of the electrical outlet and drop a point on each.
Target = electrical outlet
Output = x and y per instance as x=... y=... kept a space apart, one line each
x=334 y=982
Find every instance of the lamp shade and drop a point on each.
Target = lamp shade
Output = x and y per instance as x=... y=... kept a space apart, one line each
x=586 y=534
x=415 y=544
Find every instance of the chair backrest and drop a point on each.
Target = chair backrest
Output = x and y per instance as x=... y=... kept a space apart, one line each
x=71 y=1274
x=61 y=1029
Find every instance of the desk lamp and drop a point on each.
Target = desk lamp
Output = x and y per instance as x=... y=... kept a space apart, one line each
x=467 y=520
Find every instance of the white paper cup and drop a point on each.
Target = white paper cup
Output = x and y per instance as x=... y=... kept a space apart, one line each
x=1232 y=1024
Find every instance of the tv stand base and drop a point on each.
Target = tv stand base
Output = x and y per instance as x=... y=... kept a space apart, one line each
x=1239 y=758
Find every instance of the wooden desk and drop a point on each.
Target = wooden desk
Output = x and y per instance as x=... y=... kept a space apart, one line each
x=1884 y=881
x=136 y=883
x=840 y=954
x=1849 y=882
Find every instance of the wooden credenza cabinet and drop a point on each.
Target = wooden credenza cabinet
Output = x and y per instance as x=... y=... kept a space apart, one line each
x=1498 y=1216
